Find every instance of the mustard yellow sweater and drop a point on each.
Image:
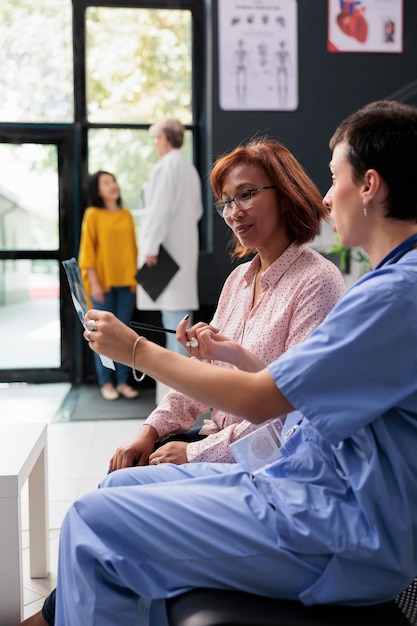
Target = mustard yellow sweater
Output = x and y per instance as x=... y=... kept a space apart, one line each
x=108 y=245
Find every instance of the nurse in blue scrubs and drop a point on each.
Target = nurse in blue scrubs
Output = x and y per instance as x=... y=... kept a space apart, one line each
x=331 y=521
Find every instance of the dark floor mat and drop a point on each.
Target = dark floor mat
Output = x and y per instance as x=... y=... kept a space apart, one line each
x=85 y=403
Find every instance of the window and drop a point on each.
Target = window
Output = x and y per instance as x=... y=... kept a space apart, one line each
x=81 y=83
x=36 y=61
x=138 y=69
x=138 y=65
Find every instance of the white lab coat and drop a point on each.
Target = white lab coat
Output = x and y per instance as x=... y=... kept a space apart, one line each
x=173 y=207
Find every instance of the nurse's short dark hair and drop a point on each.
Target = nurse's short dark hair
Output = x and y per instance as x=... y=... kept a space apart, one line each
x=299 y=200
x=383 y=136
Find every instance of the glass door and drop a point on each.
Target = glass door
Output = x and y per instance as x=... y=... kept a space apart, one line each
x=35 y=235
x=140 y=65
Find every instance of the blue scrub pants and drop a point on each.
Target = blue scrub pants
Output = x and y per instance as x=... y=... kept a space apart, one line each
x=120 y=301
x=153 y=532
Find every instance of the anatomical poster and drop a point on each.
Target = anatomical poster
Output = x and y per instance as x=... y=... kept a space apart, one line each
x=258 y=64
x=365 y=26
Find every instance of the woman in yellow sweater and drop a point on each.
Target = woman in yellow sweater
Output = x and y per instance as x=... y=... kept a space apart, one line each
x=108 y=263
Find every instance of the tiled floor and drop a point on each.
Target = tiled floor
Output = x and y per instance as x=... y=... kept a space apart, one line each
x=78 y=455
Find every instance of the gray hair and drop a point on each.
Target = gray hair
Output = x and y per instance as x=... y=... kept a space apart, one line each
x=172 y=129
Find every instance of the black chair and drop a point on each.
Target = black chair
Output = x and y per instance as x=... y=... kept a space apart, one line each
x=214 y=607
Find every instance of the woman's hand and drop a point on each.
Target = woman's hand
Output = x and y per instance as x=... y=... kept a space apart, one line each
x=97 y=294
x=199 y=340
x=172 y=452
x=214 y=346
x=96 y=290
x=137 y=452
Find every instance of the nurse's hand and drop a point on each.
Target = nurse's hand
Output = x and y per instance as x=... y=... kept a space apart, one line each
x=108 y=336
x=172 y=452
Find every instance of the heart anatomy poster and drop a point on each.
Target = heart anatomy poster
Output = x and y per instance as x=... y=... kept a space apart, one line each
x=365 y=26
x=258 y=65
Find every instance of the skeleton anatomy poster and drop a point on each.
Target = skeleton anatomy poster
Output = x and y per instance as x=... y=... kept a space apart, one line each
x=365 y=26
x=258 y=67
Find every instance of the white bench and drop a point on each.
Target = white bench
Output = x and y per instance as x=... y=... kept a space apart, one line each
x=23 y=456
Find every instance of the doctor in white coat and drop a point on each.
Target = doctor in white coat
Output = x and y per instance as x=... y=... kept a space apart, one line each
x=172 y=210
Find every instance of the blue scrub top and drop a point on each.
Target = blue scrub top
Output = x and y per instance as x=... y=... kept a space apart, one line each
x=351 y=466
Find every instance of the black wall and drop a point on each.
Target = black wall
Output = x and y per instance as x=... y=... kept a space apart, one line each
x=331 y=86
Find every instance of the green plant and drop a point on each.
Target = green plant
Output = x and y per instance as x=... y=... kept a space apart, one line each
x=347 y=253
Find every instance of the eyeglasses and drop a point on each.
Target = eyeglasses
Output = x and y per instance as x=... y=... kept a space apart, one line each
x=243 y=199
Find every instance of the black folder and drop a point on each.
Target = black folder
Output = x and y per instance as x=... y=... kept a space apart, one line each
x=155 y=279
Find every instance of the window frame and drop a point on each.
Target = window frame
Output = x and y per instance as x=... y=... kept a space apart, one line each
x=71 y=138
x=196 y=7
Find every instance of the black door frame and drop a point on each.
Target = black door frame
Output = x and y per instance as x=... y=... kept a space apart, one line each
x=196 y=7
x=68 y=190
x=72 y=142
x=199 y=107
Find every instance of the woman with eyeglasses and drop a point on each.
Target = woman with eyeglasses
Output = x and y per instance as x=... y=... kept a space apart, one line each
x=267 y=304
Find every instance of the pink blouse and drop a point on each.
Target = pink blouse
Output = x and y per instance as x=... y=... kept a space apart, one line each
x=299 y=290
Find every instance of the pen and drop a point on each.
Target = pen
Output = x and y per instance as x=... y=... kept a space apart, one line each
x=159 y=329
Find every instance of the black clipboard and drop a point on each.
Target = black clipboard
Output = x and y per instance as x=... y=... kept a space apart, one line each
x=155 y=279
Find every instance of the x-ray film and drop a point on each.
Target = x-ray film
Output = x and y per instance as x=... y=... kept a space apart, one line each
x=79 y=298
